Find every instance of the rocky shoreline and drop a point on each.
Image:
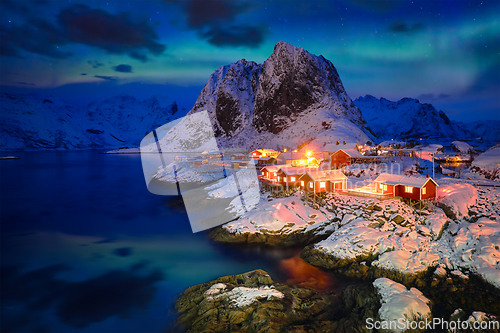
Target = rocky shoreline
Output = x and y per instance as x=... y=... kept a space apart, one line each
x=442 y=261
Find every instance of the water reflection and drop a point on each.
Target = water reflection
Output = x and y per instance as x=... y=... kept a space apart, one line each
x=305 y=275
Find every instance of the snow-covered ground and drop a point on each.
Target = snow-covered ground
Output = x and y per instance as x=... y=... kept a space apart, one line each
x=462 y=147
x=400 y=304
x=489 y=160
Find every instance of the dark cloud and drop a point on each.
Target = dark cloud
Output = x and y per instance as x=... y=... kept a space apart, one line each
x=215 y=21
x=116 y=293
x=107 y=78
x=123 y=68
x=123 y=251
x=36 y=36
x=95 y=63
x=402 y=27
x=26 y=83
x=235 y=36
x=83 y=74
x=116 y=34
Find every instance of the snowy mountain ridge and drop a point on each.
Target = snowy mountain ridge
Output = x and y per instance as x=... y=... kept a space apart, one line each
x=292 y=98
x=35 y=122
x=409 y=119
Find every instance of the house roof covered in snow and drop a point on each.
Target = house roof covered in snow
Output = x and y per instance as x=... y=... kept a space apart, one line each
x=321 y=175
x=272 y=168
x=289 y=170
x=267 y=158
x=352 y=152
x=391 y=179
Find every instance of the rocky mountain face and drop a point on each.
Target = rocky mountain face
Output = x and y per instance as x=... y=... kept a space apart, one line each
x=409 y=119
x=34 y=122
x=293 y=97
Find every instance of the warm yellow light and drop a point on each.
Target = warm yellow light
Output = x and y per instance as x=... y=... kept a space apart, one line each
x=308 y=153
x=284 y=150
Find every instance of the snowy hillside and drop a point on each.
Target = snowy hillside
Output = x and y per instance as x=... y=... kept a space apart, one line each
x=487 y=130
x=34 y=122
x=408 y=119
x=293 y=97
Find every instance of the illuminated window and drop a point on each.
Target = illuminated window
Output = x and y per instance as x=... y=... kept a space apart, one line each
x=322 y=184
x=254 y=154
x=310 y=185
x=381 y=186
x=424 y=191
x=274 y=174
x=385 y=187
x=262 y=173
x=408 y=189
x=292 y=179
x=302 y=183
x=279 y=178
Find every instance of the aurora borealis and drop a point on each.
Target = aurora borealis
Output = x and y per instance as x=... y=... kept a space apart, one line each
x=443 y=52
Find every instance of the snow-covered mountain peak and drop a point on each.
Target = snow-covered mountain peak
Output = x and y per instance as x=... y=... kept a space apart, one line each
x=294 y=94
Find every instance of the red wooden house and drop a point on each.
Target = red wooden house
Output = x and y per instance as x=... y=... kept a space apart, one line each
x=318 y=181
x=269 y=172
x=344 y=157
x=416 y=188
x=289 y=176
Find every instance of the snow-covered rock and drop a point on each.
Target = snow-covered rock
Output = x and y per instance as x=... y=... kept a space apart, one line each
x=462 y=147
x=408 y=118
x=400 y=304
x=456 y=198
x=488 y=163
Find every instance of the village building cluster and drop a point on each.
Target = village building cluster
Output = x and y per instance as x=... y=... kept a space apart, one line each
x=314 y=170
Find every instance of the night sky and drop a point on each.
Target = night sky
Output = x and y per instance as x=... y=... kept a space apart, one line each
x=442 y=52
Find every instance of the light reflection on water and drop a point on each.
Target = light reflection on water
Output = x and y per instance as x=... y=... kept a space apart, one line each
x=85 y=247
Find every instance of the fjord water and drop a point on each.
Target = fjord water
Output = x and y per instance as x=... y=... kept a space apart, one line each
x=86 y=248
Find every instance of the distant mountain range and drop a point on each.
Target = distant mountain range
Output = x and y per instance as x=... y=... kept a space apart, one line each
x=294 y=97
x=34 y=122
x=410 y=119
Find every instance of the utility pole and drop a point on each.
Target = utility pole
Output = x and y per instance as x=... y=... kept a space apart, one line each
x=433 y=177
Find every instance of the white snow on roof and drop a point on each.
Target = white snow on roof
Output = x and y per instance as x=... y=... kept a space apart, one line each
x=391 y=179
x=400 y=303
x=318 y=175
x=289 y=170
x=267 y=158
x=352 y=152
x=272 y=168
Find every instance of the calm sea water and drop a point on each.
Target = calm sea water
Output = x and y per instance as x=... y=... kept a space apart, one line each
x=86 y=248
